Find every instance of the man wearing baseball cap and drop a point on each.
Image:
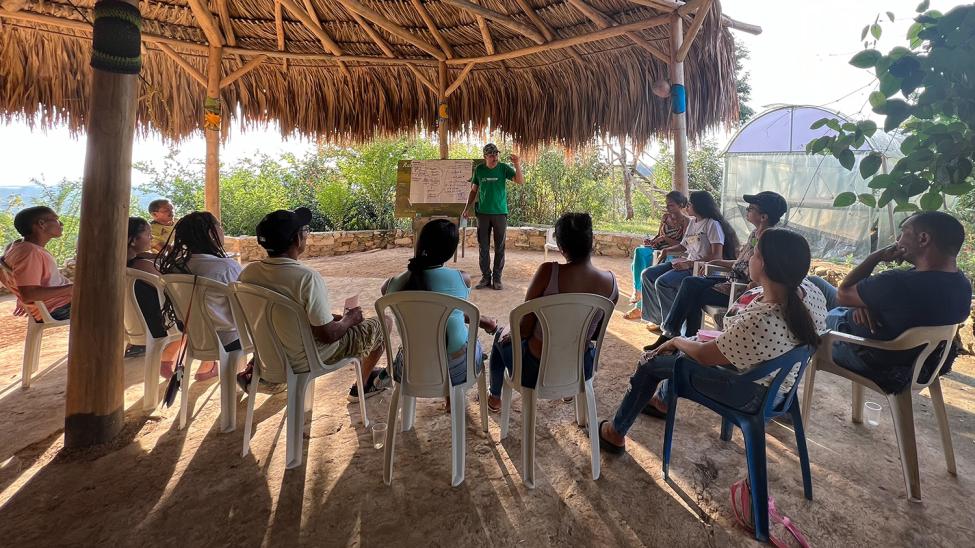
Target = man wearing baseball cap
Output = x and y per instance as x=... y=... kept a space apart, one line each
x=490 y=192
x=283 y=234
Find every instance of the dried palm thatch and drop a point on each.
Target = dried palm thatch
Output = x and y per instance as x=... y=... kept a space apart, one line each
x=349 y=70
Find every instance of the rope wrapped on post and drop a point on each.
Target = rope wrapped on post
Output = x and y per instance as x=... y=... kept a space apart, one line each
x=211 y=114
x=117 y=37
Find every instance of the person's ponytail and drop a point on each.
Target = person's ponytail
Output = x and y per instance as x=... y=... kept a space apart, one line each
x=798 y=320
x=787 y=258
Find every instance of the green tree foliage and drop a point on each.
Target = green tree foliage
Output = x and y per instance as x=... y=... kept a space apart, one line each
x=926 y=91
x=743 y=83
x=704 y=169
x=555 y=185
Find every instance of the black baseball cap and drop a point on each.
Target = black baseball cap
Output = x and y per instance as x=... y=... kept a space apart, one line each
x=771 y=204
x=490 y=148
x=277 y=229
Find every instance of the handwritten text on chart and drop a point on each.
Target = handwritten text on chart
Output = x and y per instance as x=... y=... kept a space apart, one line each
x=440 y=181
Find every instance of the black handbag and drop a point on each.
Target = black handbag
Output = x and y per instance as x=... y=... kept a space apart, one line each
x=177 y=379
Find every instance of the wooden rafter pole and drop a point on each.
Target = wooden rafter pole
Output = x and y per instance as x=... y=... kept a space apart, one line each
x=423 y=79
x=94 y=395
x=432 y=27
x=536 y=20
x=505 y=20
x=279 y=24
x=373 y=35
x=604 y=21
x=485 y=35
x=310 y=20
x=206 y=21
x=225 y=22
x=244 y=69
x=603 y=34
x=442 y=110
x=699 y=16
x=183 y=64
x=379 y=19
x=678 y=119
x=211 y=132
x=459 y=80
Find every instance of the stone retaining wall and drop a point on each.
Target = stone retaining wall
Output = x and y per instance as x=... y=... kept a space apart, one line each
x=609 y=244
x=327 y=244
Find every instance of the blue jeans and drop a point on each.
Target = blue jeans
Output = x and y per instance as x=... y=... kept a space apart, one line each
x=660 y=286
x=456 y=368
x=828 y=291
x=695 y=293
x=62 y=313
x=642 y=259
x=502 y=359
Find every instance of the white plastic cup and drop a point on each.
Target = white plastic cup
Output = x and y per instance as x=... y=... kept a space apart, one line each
x=871 y=412
x=379 y=435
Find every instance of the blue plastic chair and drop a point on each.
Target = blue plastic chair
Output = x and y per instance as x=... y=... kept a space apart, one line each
x=752 y=424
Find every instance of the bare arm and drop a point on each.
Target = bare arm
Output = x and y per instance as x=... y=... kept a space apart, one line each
x=519 y=176
x=847 y=293
x=535 y=290
x=32 y=293
x=335 y=330
x=706 y=353
x=468 y=209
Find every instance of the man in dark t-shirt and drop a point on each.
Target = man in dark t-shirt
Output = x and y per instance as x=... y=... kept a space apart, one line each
x=490 y=190
x=884 y=305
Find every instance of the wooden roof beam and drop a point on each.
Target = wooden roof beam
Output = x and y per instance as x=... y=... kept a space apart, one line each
x=423 y=79
x=225 y=22
x=183 y=64
x=726 y=21
x=704 y=7
x=279 y=24
x=505 y=20
x=206 y=22
x=536 y=20
x=244 y=69
x=459 y=80
x=485 y=34
x=691 y=6
x=378 y=19
x=310 y=20
x=604 y=21
x=373 y=35
x=432 y=27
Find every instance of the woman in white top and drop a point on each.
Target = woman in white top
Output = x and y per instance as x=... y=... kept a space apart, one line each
x=781 y=319
x=708 y=237
x=197 y=248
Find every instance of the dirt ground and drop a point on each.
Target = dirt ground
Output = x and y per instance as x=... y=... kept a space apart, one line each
x=158 y=486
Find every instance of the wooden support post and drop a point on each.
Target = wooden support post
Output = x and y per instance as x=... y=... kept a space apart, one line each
x=678 y=120
x=442 y=109
x=211 y=131
x=94 y=397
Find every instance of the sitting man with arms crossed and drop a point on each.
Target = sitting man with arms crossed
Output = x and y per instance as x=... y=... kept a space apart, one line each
x=35 y=272
x=883 y=306
x=284 y=234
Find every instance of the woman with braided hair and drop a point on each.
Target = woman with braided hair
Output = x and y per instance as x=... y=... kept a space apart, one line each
x=197 y=248
x=426 y=272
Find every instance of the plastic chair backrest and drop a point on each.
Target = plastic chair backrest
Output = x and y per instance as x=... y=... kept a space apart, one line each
x=135 y=322
x=565 y=320
x=201 y=334
x=928 y=337
x=421 y=320
x=796 y=359
x=266 y=314
x=550 y=238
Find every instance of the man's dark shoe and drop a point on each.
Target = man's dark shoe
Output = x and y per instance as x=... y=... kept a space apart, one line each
x=497 y=285
x=135 y=350
x=657 y=344
x=485 y=282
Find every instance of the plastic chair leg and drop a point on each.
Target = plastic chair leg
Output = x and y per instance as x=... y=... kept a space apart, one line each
x=528 y=436
x=309 y=395
x=296 y=420
x=593 y=420
x=727 y=429
x=581 y=411
x=150 y=396
x=857 y=403
x=902 y=411
x=409 y=412
x=669 y=433
x=361 y=387
x=32 y=352
x=482 y=396
x=802 y=449
x=505 y=406
x=390 y=435
x=249 y=421
x=938 y=399
x=754 y=435
x=458 y=406
x=184 y=390
x=807 y=390
x=228 y=390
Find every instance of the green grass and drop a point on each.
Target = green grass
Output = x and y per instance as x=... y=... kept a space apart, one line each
x=629 y=227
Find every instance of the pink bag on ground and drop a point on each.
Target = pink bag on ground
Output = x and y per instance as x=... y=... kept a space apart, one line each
x=741 y=505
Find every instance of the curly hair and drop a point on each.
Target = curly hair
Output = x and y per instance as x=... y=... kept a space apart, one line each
x=194 y=233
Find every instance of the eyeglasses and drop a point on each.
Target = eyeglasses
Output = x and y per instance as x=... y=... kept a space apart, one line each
x=305 y=230
x=753 y=208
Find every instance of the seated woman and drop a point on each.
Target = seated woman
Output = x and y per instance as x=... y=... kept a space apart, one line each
x=139 y=257
x=708 y=237
x=672 y=227
x=197 y=248
x=573 y=234
x=790 y=312
x=764 y=210
x=426 y=272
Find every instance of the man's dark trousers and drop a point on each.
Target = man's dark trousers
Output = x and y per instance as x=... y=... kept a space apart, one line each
x=485 y=224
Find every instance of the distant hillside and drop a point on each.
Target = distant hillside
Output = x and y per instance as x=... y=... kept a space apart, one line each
x=30 y=194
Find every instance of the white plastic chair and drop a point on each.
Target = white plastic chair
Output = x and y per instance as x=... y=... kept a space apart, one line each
x=564 y=321
x=421 y=320
x=203 y=344
x=901 y=404
x=266 y=314
x=137 y=333
x=35 y=329
x=702 y=268
x=550 y=244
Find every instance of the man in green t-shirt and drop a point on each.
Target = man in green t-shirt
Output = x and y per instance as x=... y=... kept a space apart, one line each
x=489 y=190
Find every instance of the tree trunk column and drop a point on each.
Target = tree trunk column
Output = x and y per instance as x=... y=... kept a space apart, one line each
x=678 y=98
x=442 y=109
x=212 y=120
x=94 y=400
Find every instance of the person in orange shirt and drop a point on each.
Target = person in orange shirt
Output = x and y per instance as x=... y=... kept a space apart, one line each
x=36 y=276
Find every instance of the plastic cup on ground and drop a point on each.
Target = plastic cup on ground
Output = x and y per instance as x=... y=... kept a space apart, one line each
x=871 y=412
x=379 y=435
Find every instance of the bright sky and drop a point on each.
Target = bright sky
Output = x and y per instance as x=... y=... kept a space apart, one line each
x=800 y=58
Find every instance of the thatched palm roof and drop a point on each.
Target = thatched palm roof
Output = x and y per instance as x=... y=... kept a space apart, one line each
x=357 y=76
